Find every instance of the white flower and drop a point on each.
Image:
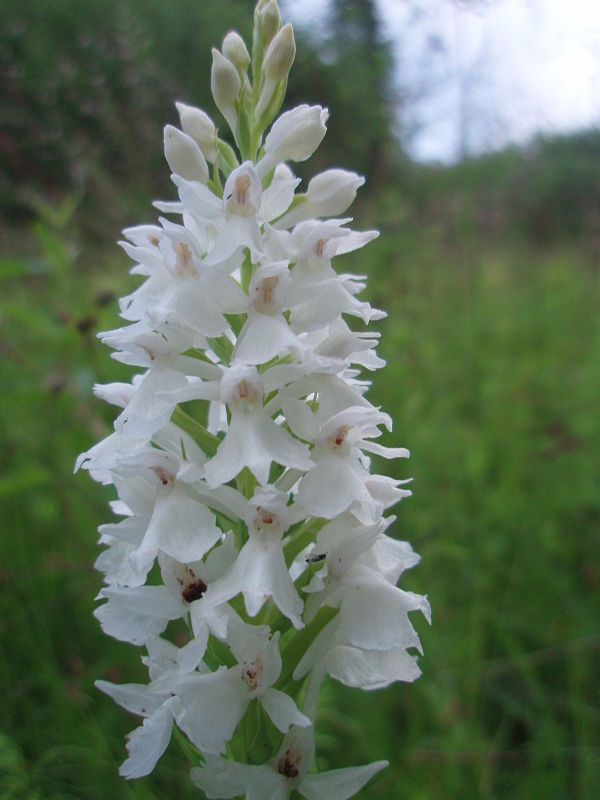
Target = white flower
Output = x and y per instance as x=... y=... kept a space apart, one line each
x=250 y=512
x=260 y=571
x=235 y=221
x=366 y=644
x=181 y=289
x=266 y=332
x=211 y=705
x=174 y=520
x=147 y=743
x=253 y=439
x=287 y=772
x=276 y=66
x=189 y=584
x=135 y=614
x=234 y=49
x=328 y=194
x=338 y=481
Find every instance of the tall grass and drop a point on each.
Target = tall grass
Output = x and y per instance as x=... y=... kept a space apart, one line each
x=493 y=379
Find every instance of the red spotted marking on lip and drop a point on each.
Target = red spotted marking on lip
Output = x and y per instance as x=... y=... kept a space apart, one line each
x=288 y=765
x=193 y=591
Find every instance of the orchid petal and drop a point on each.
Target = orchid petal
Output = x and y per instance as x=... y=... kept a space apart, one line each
x=282 y=710
x=339 y=784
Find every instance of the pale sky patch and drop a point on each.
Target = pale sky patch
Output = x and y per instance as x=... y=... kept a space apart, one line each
x=500 y=73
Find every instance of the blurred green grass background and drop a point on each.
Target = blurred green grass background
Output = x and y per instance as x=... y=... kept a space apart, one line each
x=489 y=273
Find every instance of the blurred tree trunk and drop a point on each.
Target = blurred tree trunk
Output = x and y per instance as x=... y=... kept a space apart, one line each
x=365 y=63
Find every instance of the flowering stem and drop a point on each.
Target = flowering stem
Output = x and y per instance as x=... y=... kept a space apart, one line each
x=246 y=537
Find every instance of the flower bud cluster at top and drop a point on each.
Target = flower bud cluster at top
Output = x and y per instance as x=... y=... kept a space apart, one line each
x=252 y=532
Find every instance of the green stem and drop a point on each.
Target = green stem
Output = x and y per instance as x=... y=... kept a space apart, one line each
x=299 y=642
x=302 y=538
x=207 y=441
x=247 y=271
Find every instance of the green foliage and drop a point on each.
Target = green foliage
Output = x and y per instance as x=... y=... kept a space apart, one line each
x=489 y=273
x=558 y=191
x=88 y=87
x=348 y=68
x=492 y=380
x=58 y=739
x=547 y=192
x=493 y=375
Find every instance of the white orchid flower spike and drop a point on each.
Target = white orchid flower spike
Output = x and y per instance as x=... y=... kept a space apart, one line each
x=251 y=528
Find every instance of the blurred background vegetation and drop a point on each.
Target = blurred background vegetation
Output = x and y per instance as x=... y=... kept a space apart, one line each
x=489 y=272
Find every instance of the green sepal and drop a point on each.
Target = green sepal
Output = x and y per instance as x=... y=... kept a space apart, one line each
x=268 y=179
x=258 y=52
x=236 y=322
x=240 y=532
x=238 y=605
x=226 y=523
x=298 y=198
x=287 y=359
x=279 y=622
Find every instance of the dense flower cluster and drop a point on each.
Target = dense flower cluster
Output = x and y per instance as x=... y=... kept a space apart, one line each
x=252 y=531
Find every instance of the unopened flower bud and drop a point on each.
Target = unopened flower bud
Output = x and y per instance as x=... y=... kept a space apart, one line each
x=197 y=124
x=334 y=190
x=328 y=194
x=225 y=85
x=267 y=20
x=280 y=54
x=276 y=66
x=235 y=50
x=294 y=136
x=184 y=156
